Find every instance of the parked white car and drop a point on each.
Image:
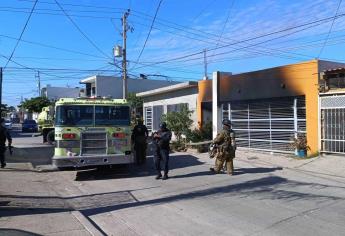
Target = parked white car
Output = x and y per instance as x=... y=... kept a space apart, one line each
x=8 y=124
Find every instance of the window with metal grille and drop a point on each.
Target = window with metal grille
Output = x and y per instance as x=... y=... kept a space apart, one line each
x=176 y=107
x=157 y=116
x=266 y=124
x=333 y=124
x=148 y=118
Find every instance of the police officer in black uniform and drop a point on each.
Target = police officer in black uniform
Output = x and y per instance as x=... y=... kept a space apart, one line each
x=162 y=139
x=4 y=134
x=139 y=138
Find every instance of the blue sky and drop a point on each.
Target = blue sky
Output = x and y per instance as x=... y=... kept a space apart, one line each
x=239 y=35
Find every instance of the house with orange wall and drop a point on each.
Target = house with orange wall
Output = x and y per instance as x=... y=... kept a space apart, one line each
x=268 y=107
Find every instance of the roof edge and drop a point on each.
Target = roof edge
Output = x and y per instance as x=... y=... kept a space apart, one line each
x=175 y=87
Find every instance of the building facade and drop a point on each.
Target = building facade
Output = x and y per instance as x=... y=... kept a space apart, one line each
x=110 y=86
x=267 y=107
x=169 y=99
x=332 y=110
x=55 y=93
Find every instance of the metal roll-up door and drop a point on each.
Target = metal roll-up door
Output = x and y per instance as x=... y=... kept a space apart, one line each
x=267 y=124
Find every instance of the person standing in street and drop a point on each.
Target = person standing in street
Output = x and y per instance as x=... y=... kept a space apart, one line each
x=225 y=144
x=162 y=139
x=139 y=138
x=4 y=135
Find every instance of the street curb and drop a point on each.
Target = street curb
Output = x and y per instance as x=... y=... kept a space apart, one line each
x=87 y=224
x=46 y=168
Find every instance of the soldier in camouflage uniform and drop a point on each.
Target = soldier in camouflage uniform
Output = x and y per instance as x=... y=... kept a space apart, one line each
x=224 y=147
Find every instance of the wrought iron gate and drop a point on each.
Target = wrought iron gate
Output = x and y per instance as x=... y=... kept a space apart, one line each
x=267 y=124
x=333 y=124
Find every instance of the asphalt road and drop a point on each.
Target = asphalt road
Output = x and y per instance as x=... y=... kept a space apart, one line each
x=24 y=138
x=260 y=199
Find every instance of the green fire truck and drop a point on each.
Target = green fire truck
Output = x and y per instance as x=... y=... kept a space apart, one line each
x=46 y=124
x=92 y=132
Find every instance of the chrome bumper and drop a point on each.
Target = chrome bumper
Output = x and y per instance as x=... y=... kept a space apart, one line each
x=81 y=161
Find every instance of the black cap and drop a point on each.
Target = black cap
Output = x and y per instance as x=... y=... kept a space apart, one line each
x=163 y=125
x=226 y=122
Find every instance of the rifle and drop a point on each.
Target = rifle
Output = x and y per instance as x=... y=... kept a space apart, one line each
x=213 y=149
x=10 y=149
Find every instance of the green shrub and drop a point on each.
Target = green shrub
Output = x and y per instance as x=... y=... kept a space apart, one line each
x=202 y=134
x=179 y=122
x=178 y=146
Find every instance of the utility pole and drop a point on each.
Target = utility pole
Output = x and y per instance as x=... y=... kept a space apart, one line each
x=205 y=65
x=124 y=59
x=0 y=91
x=38 y=83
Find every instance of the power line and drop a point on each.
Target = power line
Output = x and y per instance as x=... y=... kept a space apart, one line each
x=78 y=28
x=224 y=25
x=148 y=35
x=75 y=5
x=248 y=56
x=310 y=24
x=60 y=69
x=58 y=14
x=21 y=34
x=50 y=46
x=330 y=29
x=139 y=23
x=251 y=45
x=181 y=29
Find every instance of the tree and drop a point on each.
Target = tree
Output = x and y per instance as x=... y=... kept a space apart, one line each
x=35 y=104
x=11 y=109
x=136 y=104
x=179 y=122
x=3 y=109
x=134 y=101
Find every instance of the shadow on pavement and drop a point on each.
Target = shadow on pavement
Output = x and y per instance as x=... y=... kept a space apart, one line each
x=271 y=188
x=129 y=171
x=263 y=188
x=194 y=174
x=16 y=232
x=257 y=170
x=238 y=171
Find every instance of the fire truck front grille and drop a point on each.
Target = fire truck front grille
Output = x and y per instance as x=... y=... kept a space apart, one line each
x=93 y=143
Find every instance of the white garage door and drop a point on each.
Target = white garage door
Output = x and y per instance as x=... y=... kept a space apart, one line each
x=267 y=124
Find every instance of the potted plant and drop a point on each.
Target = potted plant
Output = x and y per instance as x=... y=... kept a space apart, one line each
x=299 y=144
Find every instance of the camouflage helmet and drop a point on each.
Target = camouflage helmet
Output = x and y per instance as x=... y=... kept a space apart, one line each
x=226 y=122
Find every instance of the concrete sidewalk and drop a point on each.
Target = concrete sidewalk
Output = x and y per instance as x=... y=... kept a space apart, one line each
x=328 y=165
x=29 y=205
x=31 y=202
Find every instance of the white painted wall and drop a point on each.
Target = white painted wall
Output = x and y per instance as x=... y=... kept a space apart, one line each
x=216 y=108
x=188 y=95
x=191 y=100
x=54 y=93
x=112 y=86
